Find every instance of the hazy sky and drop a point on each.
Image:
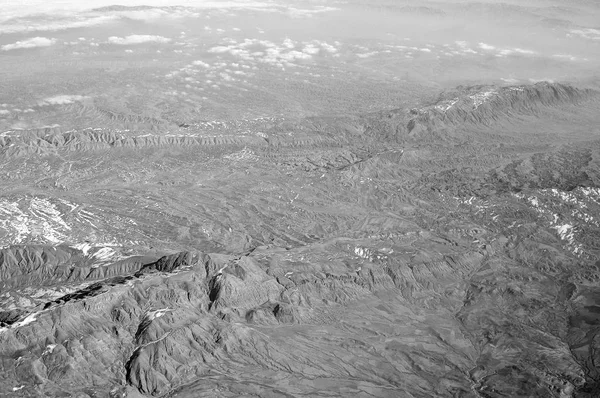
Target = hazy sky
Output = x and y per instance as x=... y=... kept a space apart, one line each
x=17 y=8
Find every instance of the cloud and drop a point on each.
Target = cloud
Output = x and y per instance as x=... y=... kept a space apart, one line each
x=509 y=80
x=137 y=39
x=221 y=49
x=463 y=47
x=546 y=79
x=367 y=55
x=305 y=12
x=591 y=34
x=268 y=52
x=22 y=25
x=289 y=43
x=512 y=51
x=310 y=49
x=18 y=16
x=201 y=63
x=62 y=100
x=568 y=57
x=29 y=43
x=12 y=9
x=274 y=56
x=327 y=47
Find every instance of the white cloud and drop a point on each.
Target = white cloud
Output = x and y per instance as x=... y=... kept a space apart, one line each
x=512 y=51
x=18 y=16
x=565 y=56
x=22 y=25
x=201 y=63
x=305 y=12
x=29 y=43
x=289 y=56
x=549 y=80
x=367 y=55
x=484 y=46
x=137 y=39
x=327 y=47
x=591 y=34
x=521 y=51
x=62 y=100
x=310 y=49
x=269 y=52
x=289 y=43
x=509 y=80
x=221 y=49
x=463 y=47
x=19 y=8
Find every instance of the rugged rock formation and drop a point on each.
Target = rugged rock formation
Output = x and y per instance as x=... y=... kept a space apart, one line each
x=442 y=251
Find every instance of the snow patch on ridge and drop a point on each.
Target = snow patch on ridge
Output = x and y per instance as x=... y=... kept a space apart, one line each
x=481 y=98
x=38 y=220
x=444 y=106
x=152 y=315
x=572 y=210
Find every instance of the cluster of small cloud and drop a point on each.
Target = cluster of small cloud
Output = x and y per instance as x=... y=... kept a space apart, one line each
x=268 y=52
x=29 y=43
x=137 y=39
x=62 y=100
x=458 y=48
x=210 y=73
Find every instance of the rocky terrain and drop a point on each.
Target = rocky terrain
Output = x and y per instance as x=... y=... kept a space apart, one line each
x=290 y=198
x=446 y=249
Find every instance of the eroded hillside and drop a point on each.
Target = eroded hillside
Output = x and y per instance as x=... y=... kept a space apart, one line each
x=445 y=250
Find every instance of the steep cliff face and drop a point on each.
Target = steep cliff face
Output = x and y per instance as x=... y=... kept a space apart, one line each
x=447 y=250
